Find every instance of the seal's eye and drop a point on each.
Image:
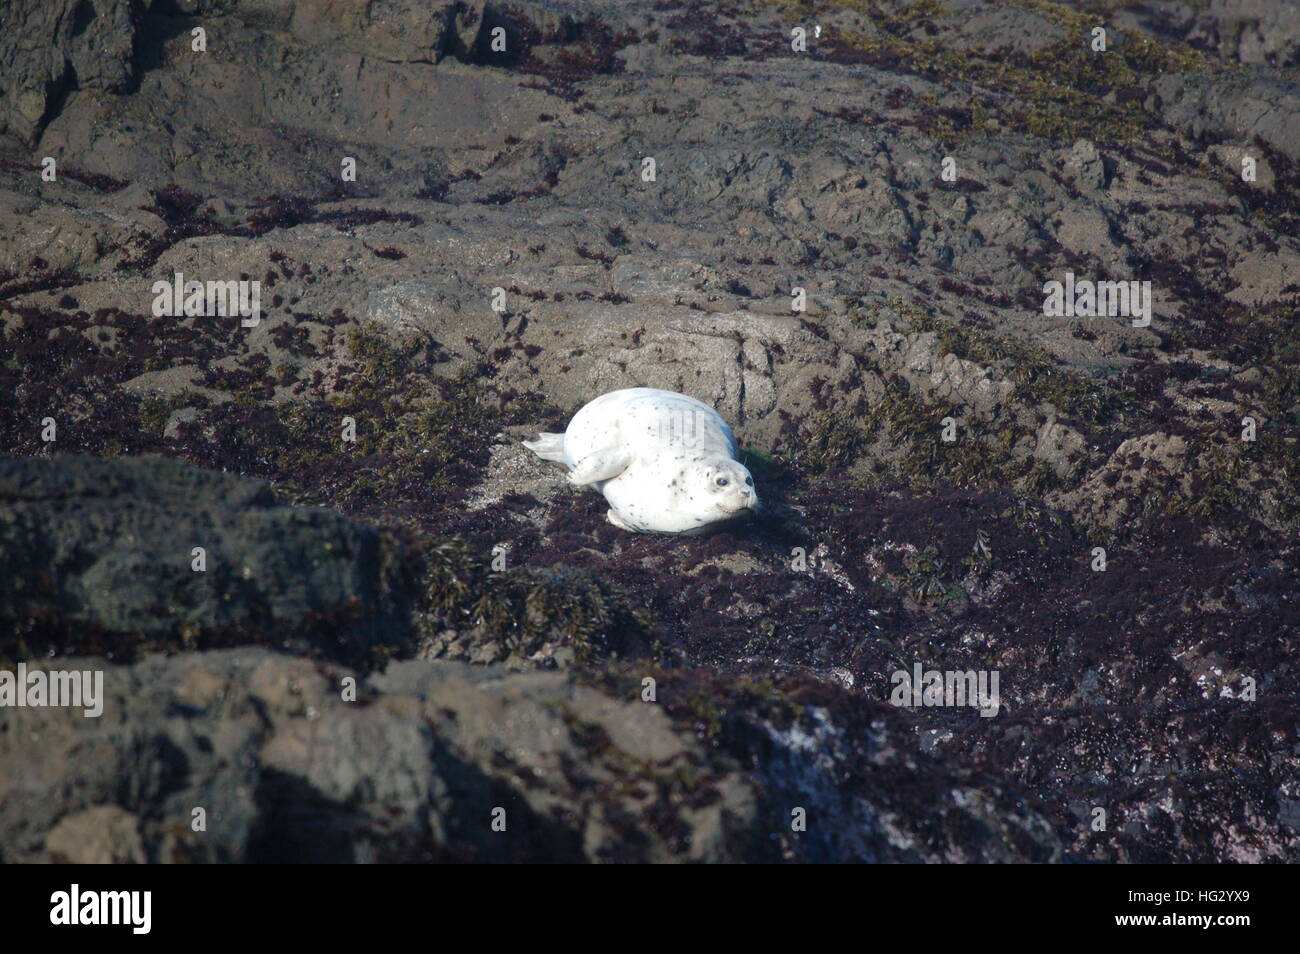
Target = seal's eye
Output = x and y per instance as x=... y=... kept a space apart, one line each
x=722 y=481
x=749 y=481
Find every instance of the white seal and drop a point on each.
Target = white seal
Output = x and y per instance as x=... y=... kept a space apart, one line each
x=665 y=462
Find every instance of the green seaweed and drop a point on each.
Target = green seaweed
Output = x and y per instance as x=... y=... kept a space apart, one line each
x=523 y=609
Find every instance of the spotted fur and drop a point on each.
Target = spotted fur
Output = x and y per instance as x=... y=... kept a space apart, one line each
x=665 y=462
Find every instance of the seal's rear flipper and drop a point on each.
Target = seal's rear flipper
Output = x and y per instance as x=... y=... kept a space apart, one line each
x=547 y=446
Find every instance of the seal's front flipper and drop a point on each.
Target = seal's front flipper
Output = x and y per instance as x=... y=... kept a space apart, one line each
x=600 y=465
x=613 y=517
x=547 y=446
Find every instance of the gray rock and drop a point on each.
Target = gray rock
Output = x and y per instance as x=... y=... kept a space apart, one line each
x=417 y=768
x=1086 y=165
x=1244 y=107
x=49 y=49
x=445 y=312
x=101 y=835
x=101 y=553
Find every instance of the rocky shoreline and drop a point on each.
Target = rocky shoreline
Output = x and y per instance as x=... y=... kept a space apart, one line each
x=349 y=464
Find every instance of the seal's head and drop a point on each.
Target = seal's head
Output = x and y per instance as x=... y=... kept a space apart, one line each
x=721 y=488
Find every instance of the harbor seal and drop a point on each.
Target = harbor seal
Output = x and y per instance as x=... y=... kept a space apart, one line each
x=665 y=462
